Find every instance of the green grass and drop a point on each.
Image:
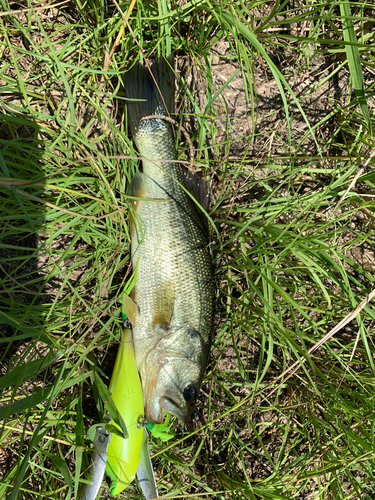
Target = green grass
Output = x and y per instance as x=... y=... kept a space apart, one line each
x=290 y=263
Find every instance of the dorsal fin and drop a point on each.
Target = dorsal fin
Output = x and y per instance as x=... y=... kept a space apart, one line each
x=197 y=186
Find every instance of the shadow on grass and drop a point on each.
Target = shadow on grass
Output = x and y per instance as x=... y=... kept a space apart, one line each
x=26 y=351
x=22 y=218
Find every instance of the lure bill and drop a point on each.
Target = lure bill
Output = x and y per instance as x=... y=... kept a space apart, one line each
x=98 y=465
x=145 y=472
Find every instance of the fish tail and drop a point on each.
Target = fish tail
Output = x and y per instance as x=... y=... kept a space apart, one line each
x=153 y=90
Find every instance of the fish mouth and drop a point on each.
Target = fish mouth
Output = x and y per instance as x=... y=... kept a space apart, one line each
x=160 y=402
x=172 y=407
x=157 y=407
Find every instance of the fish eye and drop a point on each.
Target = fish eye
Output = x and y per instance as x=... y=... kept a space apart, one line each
x=190 y=393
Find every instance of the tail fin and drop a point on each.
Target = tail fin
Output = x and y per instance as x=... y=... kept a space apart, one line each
x=154 y=91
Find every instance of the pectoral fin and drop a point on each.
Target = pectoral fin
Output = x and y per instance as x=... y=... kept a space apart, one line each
x=163 y=305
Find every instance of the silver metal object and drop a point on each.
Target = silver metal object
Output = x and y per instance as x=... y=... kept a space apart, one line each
x=145 y=472
x=97 y=468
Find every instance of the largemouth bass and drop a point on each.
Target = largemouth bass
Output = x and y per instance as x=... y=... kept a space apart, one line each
x=172 y=312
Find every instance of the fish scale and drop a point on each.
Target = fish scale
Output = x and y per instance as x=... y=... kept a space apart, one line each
x=174 y=291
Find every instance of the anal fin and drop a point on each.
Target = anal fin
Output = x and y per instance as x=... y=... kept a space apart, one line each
x=137 y=188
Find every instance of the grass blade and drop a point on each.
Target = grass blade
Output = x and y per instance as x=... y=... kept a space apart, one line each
x=354 y=60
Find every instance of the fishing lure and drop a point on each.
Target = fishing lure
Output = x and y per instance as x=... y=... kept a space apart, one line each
x=123 y=455
x=118 y=443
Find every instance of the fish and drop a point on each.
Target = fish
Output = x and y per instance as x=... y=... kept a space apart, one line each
x=171 y=307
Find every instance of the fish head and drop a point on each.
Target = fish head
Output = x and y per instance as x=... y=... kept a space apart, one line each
x=172 y=373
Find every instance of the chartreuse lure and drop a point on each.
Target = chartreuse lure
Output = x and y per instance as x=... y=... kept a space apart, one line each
x=118 y=442
x=123 y=455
